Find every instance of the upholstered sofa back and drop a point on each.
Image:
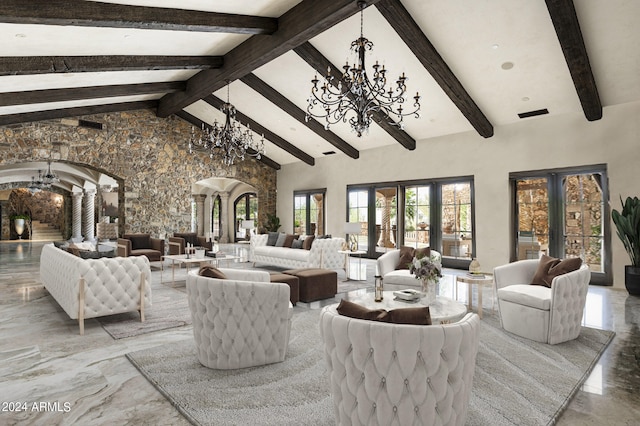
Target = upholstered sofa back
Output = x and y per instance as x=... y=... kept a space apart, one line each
x=111 y=285
x=323 y=254
x=397 y=374
x=387 y=263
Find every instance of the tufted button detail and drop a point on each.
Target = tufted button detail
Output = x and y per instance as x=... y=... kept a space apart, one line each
x=384 y=380
x=406 y=381
x=394 y=354
x=395 y=409
x=429 y=380
x=370 y=350
x=419 y=354
x=415 y=409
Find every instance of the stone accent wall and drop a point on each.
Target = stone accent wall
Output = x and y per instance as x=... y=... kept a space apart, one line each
x=146 y=155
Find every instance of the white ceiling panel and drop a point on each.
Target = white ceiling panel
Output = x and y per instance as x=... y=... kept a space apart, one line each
x=15 y=109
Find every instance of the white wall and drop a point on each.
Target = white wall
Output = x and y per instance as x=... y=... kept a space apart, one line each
x=532 y=144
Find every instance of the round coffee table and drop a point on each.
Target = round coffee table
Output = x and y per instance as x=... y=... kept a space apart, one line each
x=443 y=311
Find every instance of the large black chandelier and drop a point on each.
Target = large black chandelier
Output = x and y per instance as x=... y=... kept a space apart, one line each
x=230 y=140
x=354 y=92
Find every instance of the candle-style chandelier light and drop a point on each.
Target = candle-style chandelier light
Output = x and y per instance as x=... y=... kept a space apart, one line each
x=45 y=181
x=354 y=95
x=230 y=140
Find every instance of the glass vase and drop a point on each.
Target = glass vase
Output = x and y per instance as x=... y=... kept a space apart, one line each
x=428 y=291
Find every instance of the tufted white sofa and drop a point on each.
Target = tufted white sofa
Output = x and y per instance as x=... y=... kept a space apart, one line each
x=241 y=321
x=323 y=254
x=90 y=288
x=398 y=279
x=548 y=315
x=398 y=374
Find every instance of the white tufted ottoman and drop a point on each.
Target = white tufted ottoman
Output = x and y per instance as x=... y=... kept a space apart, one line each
x=242 y=321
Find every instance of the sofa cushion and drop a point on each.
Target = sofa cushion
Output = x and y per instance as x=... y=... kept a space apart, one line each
x=353 y=310
x=550 y=267
x=289 y=240
x=408 y=253
x=211 y=272
x=272 y=238
x=535 y=296
x=401 y=277
x=139 y=241
x=297 y=244
x=281 y=239
x=282 y=253
x=308 y=241
x=189 y=237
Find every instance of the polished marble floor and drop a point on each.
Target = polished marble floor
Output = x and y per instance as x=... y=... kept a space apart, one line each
x=49 y=374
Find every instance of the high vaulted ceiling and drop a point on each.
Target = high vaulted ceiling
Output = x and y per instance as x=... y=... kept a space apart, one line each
x=476 y=64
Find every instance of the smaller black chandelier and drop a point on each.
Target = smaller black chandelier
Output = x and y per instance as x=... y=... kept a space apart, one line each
x=45 y=181
x=355 y=92
x=233 y=142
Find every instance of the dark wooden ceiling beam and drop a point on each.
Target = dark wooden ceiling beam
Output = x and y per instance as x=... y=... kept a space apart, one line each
x=195 y=121
x=409 y=31
x=302 y=22
x=278 y=141
x=24 y=65
x=28 y=117
x=290 y=108
x=320 y=63
x=97 y=14
x=565 y=21
x=78 y=93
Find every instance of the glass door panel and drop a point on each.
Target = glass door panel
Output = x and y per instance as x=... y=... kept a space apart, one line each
x=300 y=214
x=359 y=212
x=532 y=210
x=583 y=219
x=386 y=219
x=316 y=209
x=417 y=216
x=456 y=216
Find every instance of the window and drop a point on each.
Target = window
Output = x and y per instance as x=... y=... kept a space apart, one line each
x=245 y=208
x=435 y=213
x=216 y=218
x=308 y=212
x=562 y=213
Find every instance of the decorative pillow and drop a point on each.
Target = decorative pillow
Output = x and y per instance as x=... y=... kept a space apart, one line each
x=414 y=316
x=272 y=238
x=422 y=252
x=297 y=244
x=140 y=241
x=308 y=242
x=550 y=267
x=353 y=310
x=211 y=272
x=406 y=257
x=281 y=238
x=289 y=240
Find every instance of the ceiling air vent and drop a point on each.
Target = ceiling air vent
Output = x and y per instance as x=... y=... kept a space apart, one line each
x=328 y=153
x=90 y=124
x=533 y=113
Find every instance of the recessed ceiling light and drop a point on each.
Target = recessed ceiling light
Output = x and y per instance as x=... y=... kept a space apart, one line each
x=507 y=65
x=526 y=99
x=495 y=46
x=20 y=35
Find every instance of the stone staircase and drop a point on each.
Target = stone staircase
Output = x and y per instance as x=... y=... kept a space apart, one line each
x=45 y=232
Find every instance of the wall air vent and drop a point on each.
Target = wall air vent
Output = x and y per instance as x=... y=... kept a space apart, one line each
x=328 y=153
x=90 y=124
x=533 y=113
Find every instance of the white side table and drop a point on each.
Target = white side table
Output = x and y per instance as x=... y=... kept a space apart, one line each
x=347 y=262
x=486 y=279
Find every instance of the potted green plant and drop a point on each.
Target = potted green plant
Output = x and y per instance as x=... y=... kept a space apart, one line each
x=273 y=223
x=628 y=229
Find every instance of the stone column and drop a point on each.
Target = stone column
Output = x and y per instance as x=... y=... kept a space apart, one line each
x=199 y=199
x=6 y=227
x=77 y=217
x=88 y=218
x=224 y=217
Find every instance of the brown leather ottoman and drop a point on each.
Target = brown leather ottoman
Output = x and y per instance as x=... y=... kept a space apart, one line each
x=315 y=284
x=294 y=285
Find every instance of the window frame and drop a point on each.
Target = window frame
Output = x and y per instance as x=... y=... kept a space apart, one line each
x=307 y=194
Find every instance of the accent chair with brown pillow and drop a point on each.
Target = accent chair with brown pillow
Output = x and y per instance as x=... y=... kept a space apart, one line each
x=550 y=311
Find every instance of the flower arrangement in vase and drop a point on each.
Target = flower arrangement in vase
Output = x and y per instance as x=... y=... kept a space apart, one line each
x=428 y=270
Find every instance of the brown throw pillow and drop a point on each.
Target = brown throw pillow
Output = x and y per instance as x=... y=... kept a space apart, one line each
x=422 y=252
x=353 y=310
x=417 y=316
x=550 y=267
x=308 y=242
x=211 y=272
x=289 y=240
x=406 y=257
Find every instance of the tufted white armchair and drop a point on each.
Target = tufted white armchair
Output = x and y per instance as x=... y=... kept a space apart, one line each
x=386 y=265
x=398 y=374
x=548 y=315
x=241 y=321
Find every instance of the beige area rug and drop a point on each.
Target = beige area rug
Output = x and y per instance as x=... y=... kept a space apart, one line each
x=517 y=381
